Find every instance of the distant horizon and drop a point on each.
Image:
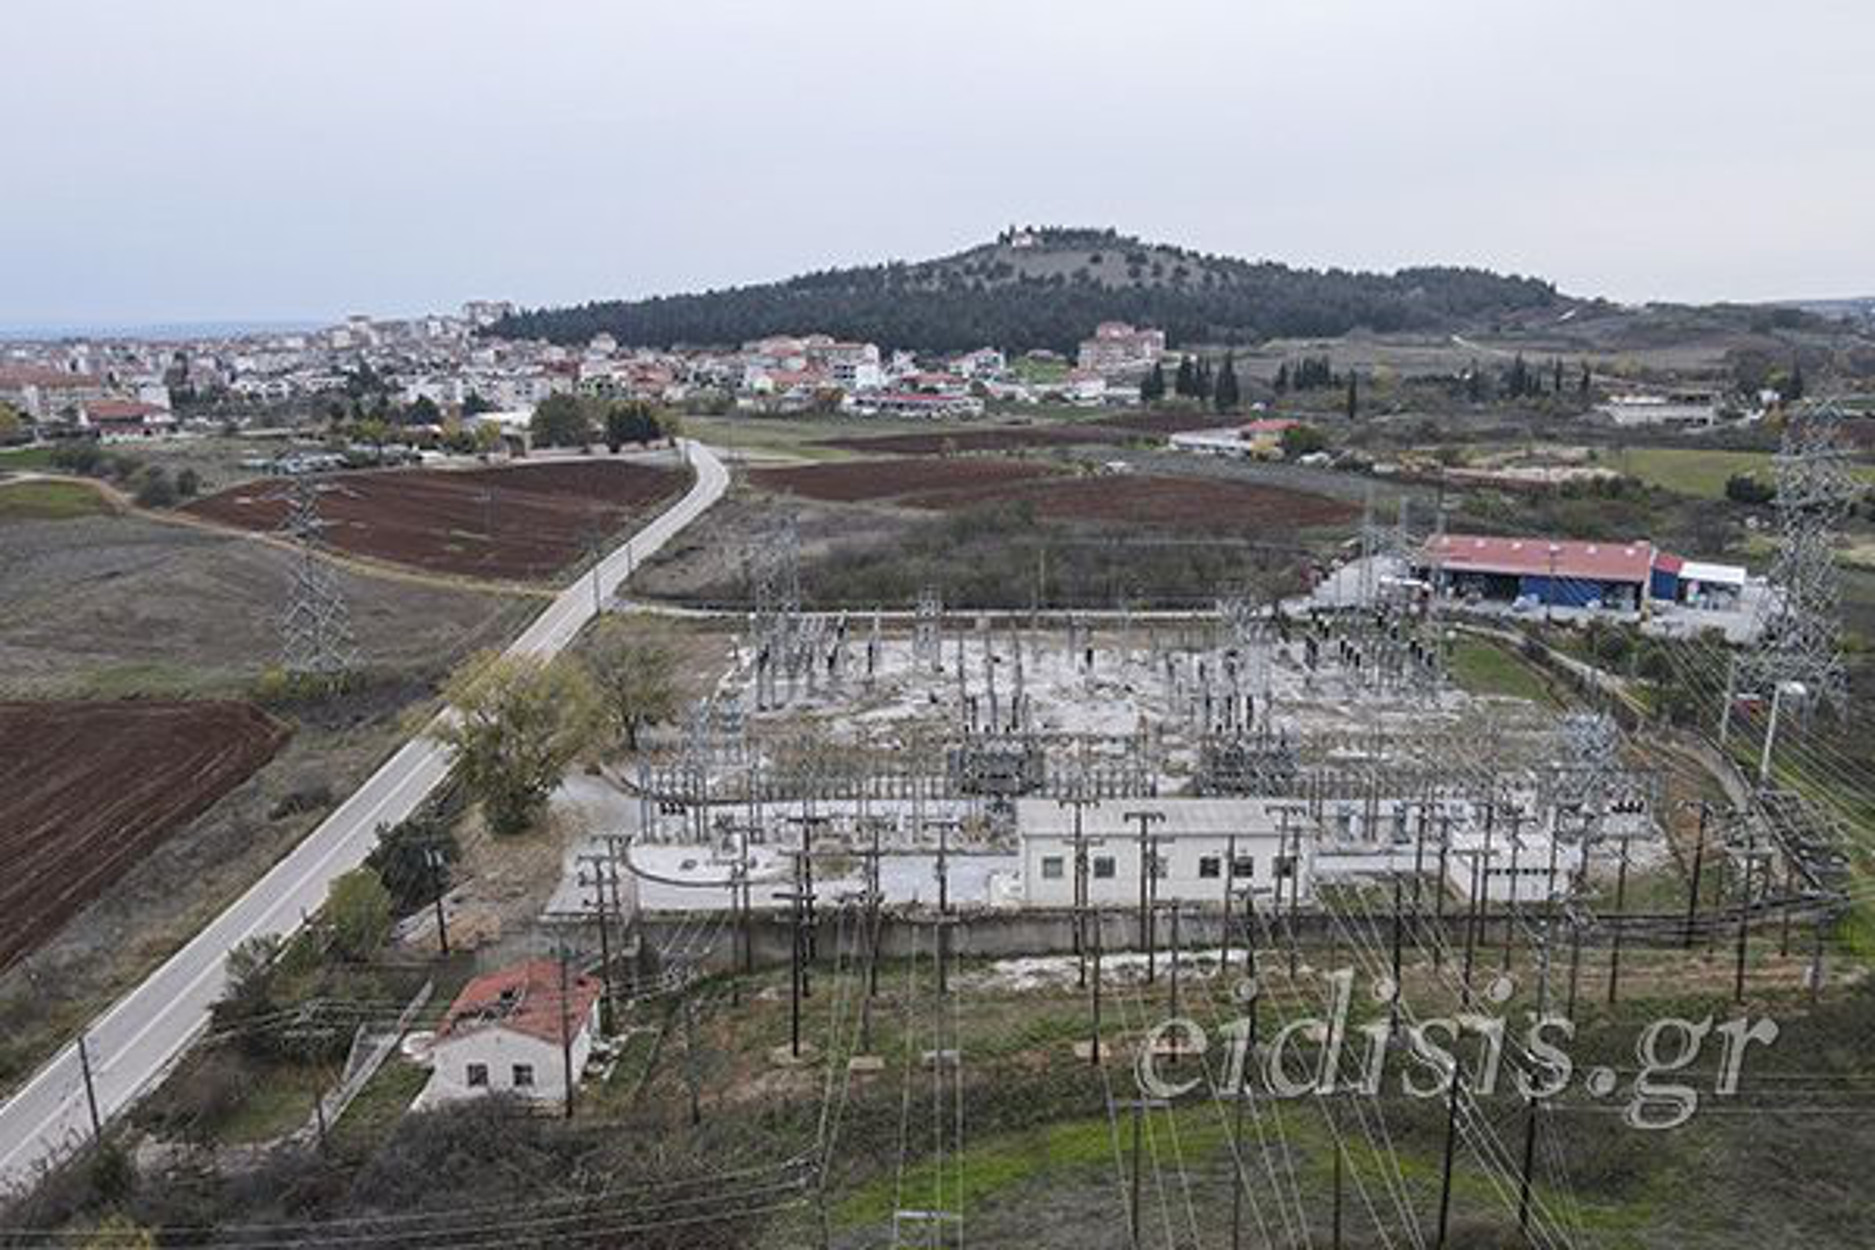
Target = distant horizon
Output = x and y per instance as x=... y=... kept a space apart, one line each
x=182 y=328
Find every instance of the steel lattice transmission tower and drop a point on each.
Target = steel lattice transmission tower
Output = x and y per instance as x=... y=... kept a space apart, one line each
x=316 y=631
x=1799 y=619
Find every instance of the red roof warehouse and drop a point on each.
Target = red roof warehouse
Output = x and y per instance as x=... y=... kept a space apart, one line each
x=1559 y=571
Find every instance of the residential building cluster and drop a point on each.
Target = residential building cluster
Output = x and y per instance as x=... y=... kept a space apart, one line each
x=122 y=388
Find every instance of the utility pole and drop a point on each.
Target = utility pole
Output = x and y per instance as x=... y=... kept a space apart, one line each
x=1744 y=916
x=1223 y=924
x=1080 y=802
x=91 y=1089
x=1699 y=863
x=1451 y=1143
x=599 y=865
x=1614 y=943
x=1094 y=1039
x=433 y=857
x=1139 y=1107
x=566 y=1034
x=1148 y=884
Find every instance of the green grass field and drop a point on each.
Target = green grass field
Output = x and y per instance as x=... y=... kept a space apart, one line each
x=49 y=501
x=1482 y=667
x=24 y=459
x=1699 y=471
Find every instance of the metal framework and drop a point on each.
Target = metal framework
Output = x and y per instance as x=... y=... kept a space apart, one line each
x=316 y=638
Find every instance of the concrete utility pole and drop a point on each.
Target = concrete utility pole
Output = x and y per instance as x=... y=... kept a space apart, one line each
x=1148 y=882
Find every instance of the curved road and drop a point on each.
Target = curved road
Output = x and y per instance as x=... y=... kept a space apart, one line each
x=135 y=1041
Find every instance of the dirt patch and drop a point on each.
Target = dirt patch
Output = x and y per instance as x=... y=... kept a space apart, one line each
x=1170 y=422
x=516 y=523
x=854 y=480
x=108 y=607
x=86 y=789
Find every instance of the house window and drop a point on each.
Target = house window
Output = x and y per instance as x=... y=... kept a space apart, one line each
x=523 y=1075
x=1210 y=866
x=1103 y=866
x=1051 y=867
x=1244 y=866
x=478 y=1076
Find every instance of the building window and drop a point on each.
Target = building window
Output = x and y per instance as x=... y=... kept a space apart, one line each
x=1244 y=866
x=523 y=1075
x=1103 y=866
x=1210 y=866
x=1051 y=867
x=478 y=1076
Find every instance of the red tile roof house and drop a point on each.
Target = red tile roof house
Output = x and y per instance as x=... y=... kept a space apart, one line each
x=505 y=1031
x=116 y=419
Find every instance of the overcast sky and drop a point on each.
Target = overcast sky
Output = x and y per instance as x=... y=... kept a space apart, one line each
x=222 y=159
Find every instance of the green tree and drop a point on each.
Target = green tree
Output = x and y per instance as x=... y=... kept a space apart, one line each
x=1224 y=394
x=1793 y=385
x=1354 y=397
x=1152 y=390
x=561 y=421
x=188 y=483
x=358 y=914
x=1185 y=381
x=12 y=424
x=634 y=675
x=413 y=859
x=516 y=725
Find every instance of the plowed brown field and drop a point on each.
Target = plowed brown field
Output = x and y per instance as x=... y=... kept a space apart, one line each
x=514 y=523
x=87 y=789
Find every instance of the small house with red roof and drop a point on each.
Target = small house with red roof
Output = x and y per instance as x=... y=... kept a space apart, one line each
x=515 y=1031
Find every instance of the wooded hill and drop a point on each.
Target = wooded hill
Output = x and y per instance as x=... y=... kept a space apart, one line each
x=1049 y=288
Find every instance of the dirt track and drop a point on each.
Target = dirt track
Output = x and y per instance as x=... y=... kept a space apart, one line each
x=86 y=789
x=513 y=524
x=854 y=480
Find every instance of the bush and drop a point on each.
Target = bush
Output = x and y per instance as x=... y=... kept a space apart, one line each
x=155 y=490
x=188 y=483
x=1746 y=488
x=82 y=458
x=358 y=914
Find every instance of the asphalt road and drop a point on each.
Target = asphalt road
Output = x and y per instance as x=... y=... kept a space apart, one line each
x=133 y=1043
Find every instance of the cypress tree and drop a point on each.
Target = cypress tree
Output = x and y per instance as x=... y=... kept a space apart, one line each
x=1185 y=383
x=1282 y=378
x=1354 y=398
x=1152 y=390
x=1225 y=396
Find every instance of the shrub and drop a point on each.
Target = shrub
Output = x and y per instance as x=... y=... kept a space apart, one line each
x=155 y=489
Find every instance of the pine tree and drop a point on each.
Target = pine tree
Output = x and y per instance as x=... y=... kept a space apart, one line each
x=1582 y=387
x=1152 y=390
x=1354 y=398
x=1556 y=373
x=1282 y=378
x=1793 y=389
x=1224 y=395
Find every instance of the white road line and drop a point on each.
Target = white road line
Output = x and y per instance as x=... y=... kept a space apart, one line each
x=168 y=1009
